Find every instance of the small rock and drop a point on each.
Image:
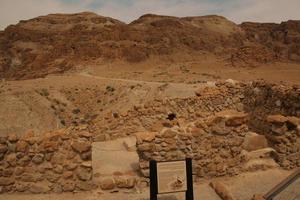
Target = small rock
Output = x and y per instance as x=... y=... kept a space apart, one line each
x=85 y=134
x=12 y=138
x=222 y=191
x=107 y=184
x=85 y=186
x=58 y=169
x=3 y=148
x=57 y=188
x=67 y=174
x=81 y=145
x=22 y=187
x=86 y=155
x=38 y=158
x=254 y=142
x=84 y=173
x=21 y=146
x=68 y=186
x=38 y=188
x=86 y=164
x=6 y=181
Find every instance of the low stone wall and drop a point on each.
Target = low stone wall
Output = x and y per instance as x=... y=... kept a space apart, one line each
x=259 y=99
x=217 y=144
x=284 y=137
x=59 y=161
x=263 y=99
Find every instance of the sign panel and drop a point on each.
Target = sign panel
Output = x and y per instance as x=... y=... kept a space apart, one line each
x=171 y=177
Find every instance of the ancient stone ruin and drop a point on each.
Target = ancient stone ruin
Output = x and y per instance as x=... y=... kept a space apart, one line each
x=227 y=128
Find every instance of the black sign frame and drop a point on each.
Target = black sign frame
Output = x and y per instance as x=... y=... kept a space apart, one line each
x=189 y=193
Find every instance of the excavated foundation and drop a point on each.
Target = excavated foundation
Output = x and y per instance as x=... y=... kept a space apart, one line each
x=227 y=128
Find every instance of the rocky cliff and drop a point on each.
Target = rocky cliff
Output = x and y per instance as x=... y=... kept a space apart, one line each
x=58 y=42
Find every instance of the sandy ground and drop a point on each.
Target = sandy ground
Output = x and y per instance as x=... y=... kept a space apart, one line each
x=243 y=187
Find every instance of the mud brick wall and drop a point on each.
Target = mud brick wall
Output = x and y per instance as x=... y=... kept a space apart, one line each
x=215 y=144
x=59 y=161
x=284 y=136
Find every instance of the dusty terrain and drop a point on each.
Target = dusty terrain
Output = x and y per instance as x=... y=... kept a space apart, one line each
x=85 y=72
x=242 y=186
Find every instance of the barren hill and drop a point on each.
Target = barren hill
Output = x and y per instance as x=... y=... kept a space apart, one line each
x=56 y=43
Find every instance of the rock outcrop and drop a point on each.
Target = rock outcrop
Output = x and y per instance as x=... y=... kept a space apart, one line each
x=59 y=42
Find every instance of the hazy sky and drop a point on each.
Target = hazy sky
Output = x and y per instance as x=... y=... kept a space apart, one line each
x=11 y=11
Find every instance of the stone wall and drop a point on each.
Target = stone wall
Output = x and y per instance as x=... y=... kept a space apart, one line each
x=59 y=161
x=219 y=144
x=259 y=99
x=284 y=136
x=265 y=99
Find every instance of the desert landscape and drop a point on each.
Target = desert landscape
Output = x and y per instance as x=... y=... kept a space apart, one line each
x=86 y=101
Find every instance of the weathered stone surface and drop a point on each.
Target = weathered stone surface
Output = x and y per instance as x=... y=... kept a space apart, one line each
x=258 y=197
x=145 y=137
x=107 y=184
x=38 y=158
x=85 y=134
x=12 y=137
x=6 y=181
x=276 y=119
x=86 y=155
x=87 y=164
x=22 y=146
x=24 y=161
x=84 y=173
x=81 y=145
x=3 y=148
x=59 y=157
x=51 y=177
x=57 y=188
x=84 y=185
x=19 y=171
x=70 y=166
x=58 y=169
x=21 y=187
x=168 y=133
x=31 y=177
x=254 y=142
x=48 y=146
x=41 y=187
x=67 y=174
x=12 y=159
x=146 y=147
x=68 y=186
x=222 y=191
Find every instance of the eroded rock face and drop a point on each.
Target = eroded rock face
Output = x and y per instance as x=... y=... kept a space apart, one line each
x=109 y=39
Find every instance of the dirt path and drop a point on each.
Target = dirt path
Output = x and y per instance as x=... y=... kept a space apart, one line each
x=243 y=187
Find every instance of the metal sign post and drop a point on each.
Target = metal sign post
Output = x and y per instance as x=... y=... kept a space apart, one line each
x=180 y=171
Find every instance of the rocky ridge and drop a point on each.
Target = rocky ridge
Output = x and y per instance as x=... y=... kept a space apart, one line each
x=59 y=42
